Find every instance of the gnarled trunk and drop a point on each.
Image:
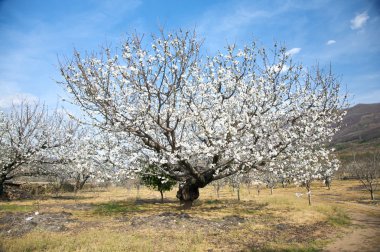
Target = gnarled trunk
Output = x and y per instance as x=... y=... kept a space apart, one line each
x=189 y=191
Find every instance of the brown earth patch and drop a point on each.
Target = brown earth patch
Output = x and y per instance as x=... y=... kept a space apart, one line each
x=18 y=224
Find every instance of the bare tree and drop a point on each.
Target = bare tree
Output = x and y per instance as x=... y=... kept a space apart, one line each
x=367 y=170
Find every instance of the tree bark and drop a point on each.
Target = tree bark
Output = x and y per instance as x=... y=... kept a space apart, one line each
x=189 y=191
x=2 y=189
x=372 y=194
x=162 y=196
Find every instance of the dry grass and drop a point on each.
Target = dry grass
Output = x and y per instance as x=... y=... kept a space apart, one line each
x=117 y=219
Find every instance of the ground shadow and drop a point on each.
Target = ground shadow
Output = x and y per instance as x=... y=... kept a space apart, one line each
x=67 y=197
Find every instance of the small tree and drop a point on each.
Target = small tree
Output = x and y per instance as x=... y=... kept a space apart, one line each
x=269 y=178
x=367 y=170
x=305 y=169
x=218 y=184
x=157 y=180
x=235 y=181
x=327 y=179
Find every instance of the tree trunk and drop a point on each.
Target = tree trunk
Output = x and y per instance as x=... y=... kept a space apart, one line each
x=258 y=190
x=138 y=190
x=271 y=190
x=77 y=183
x=3 y=178
x=81 y=184
x=238 y=193
x=189 y=191
x=308 y=193
x=372 y=194
x=328 y=183
x=59 y=186
x=162 y=196
x=2 y=191
x=217 y=188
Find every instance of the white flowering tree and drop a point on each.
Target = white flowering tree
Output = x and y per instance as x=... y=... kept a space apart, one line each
x=218 y=184
x=29 y=136
x=270 y=179
x=91 y=154
x=310 y=165
x=203 y=118
x=77 y=160
x=235 y=182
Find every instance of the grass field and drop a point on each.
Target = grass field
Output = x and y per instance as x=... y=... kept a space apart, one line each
x=117 y=219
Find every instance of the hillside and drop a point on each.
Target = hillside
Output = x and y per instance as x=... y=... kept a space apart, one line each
x=360 y=129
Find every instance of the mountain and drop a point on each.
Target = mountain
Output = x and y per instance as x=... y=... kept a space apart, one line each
x=361 y=123
x=360 y=129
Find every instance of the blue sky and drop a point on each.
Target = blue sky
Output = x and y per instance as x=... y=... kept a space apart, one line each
x=35 y=33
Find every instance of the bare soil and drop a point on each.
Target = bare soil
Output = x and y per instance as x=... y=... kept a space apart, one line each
x=18 y=224
x=364 y=234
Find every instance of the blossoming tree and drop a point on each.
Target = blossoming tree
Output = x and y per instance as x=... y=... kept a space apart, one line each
x=203 y=118
x=305 y=166
x=29 y=135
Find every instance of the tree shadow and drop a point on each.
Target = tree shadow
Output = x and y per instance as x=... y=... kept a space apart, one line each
x=71 y=197
x=154 y=201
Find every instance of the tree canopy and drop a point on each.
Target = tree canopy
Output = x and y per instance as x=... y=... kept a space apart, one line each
x=205 y=117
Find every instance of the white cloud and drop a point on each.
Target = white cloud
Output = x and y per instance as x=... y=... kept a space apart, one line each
x=293 y=51
x=16 y=99
x=278 y=68
x=359 y=21
x=330 y=42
